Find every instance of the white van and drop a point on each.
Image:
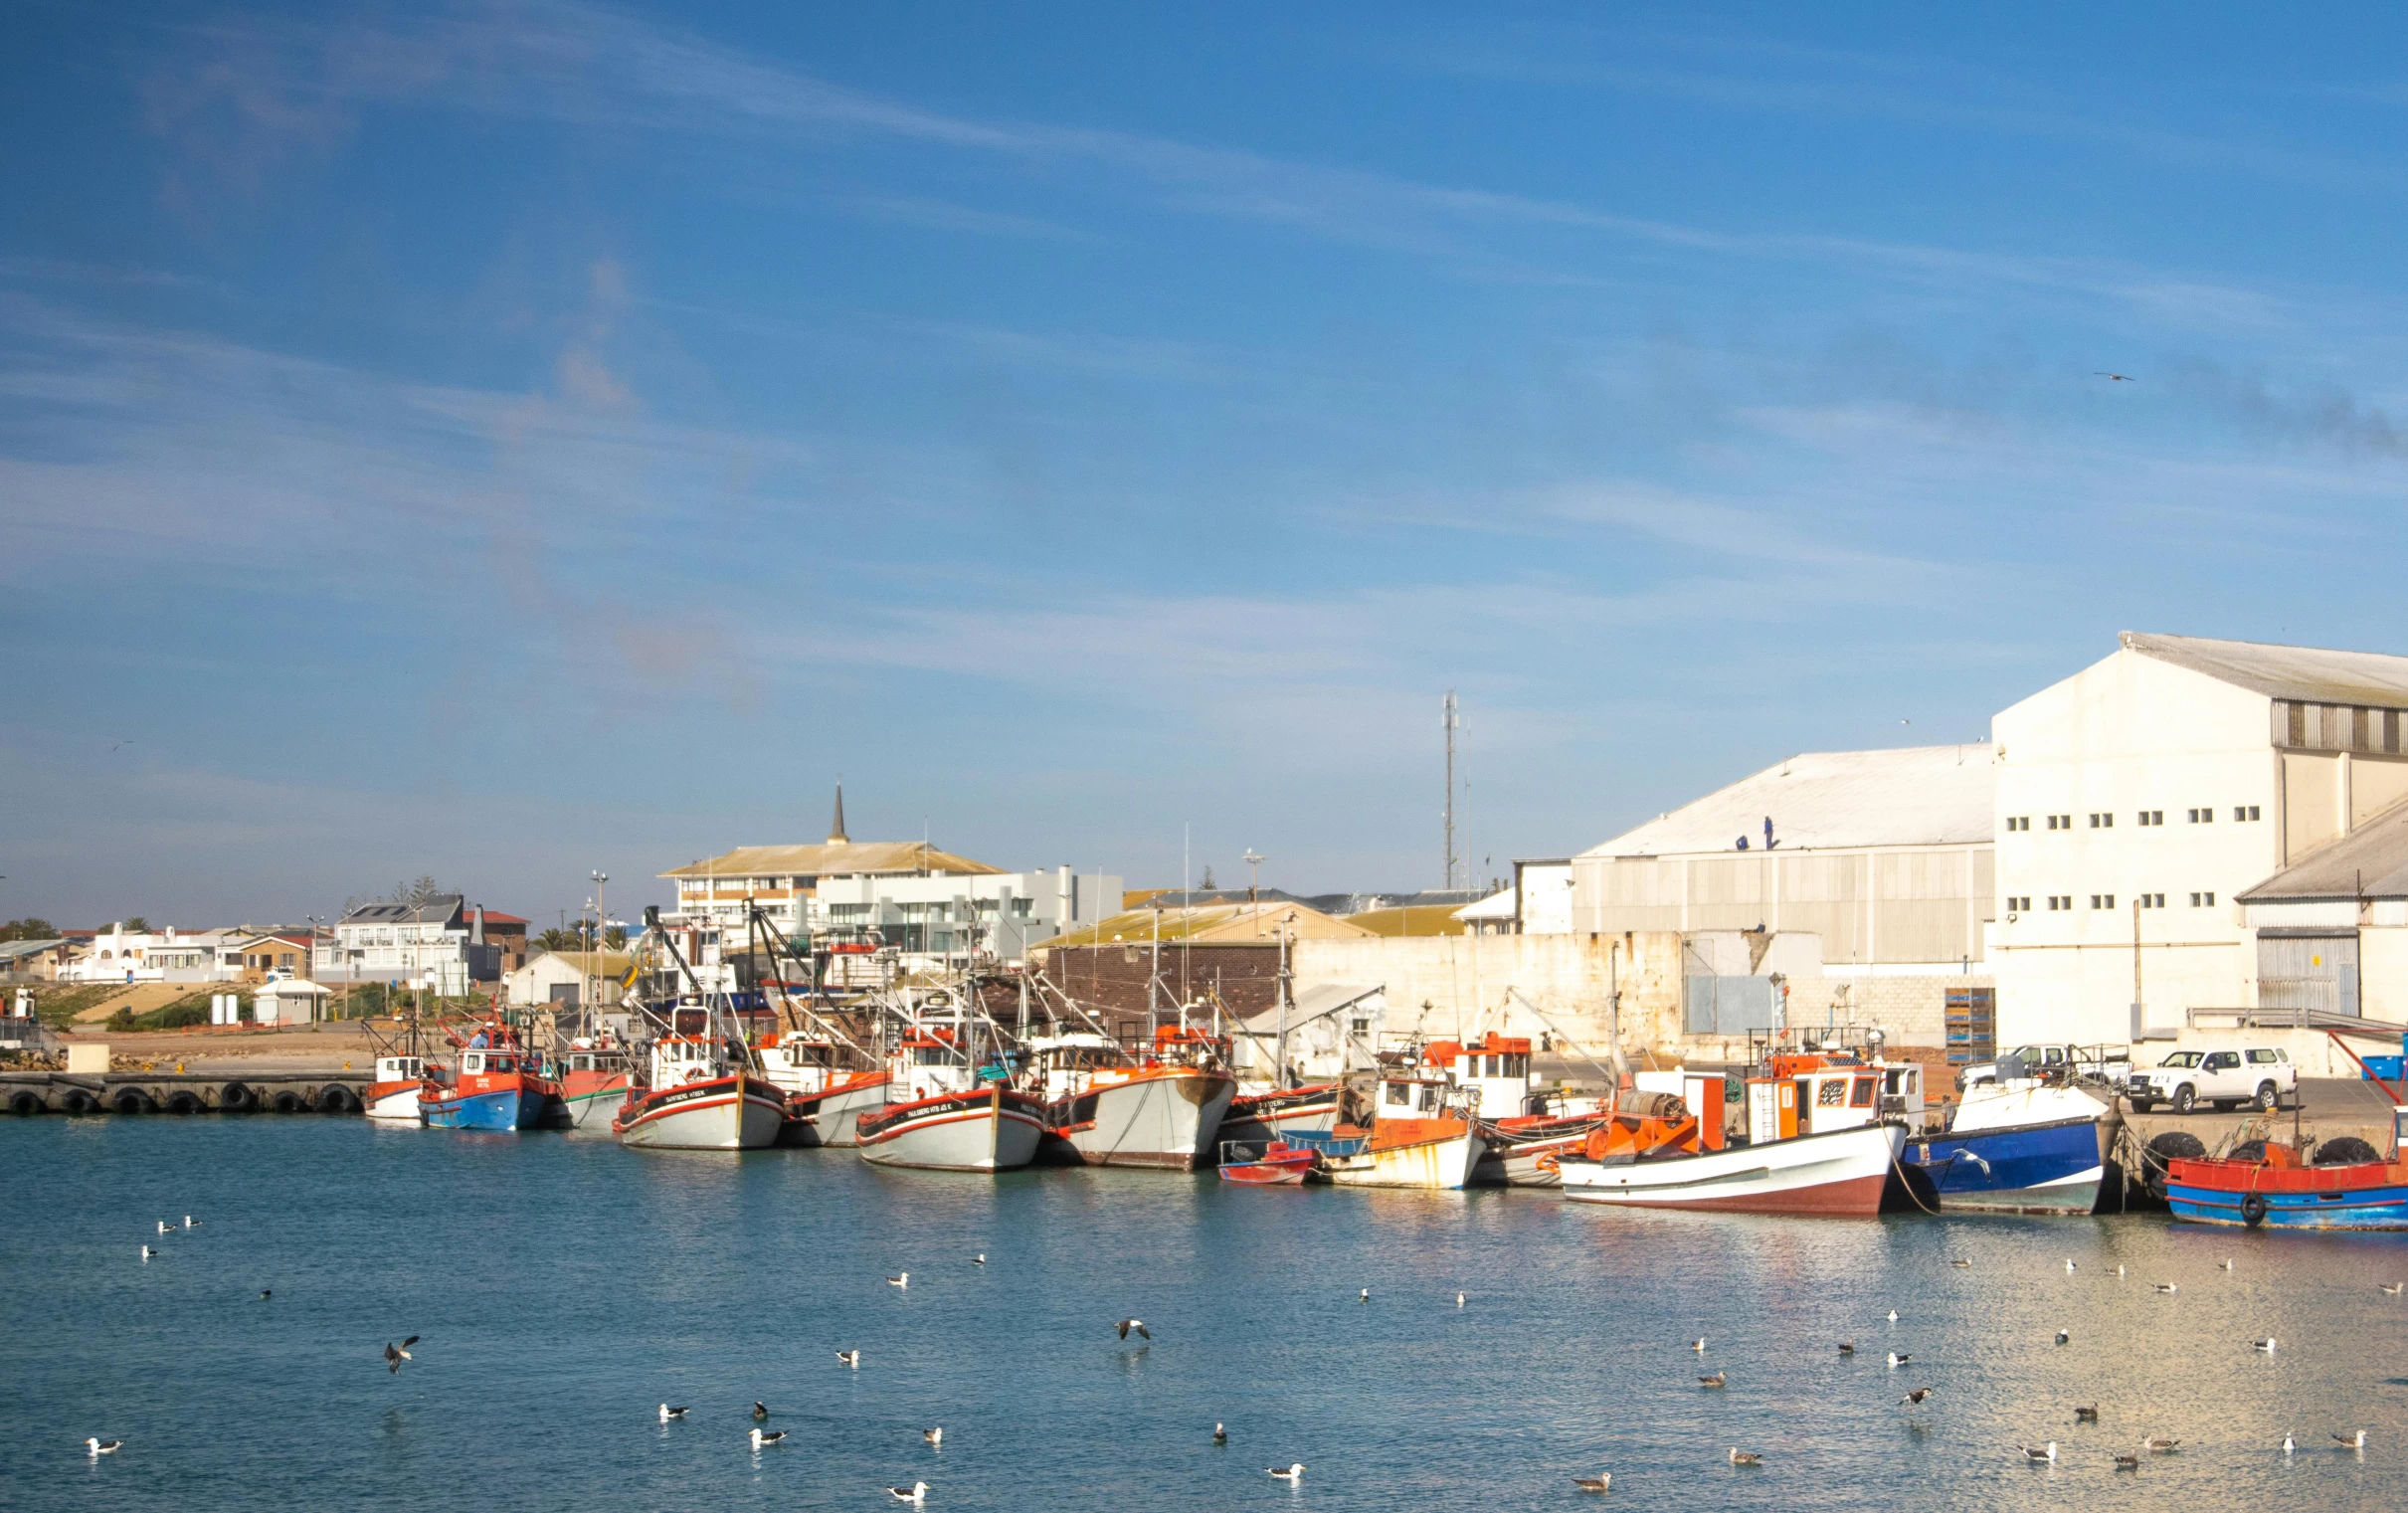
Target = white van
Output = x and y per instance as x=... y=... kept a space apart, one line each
x=2257 y=1075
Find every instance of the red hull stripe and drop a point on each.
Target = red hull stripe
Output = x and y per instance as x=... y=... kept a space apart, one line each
x=1856 y=1197
x=982 y=1112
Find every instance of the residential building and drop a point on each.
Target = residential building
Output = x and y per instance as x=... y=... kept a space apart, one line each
x=250 y=958
x=438 y=945
x=32 y=958
x=119 y=954
x=2159 y=810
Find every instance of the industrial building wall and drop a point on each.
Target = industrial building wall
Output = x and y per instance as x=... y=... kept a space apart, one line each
x=1895 y=905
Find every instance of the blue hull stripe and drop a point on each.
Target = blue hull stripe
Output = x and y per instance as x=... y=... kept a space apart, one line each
x=2002 y=1161
x=2379 y=1208
x=494 y=1111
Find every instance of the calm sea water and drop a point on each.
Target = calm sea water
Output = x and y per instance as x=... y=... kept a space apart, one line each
x=564 y=1287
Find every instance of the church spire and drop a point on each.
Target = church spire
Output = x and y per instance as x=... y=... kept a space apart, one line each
x=836 y=829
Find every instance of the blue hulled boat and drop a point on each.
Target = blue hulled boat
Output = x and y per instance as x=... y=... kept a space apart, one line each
x=2020 y=1147
x=496 y=1083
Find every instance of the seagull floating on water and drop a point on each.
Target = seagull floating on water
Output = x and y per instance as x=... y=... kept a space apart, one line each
x=2065 y=1336
x=1893 y=1315
x=2168 y=1288
x=1458 y=1300
x=162 y=1227
x=2088 y=1415
x=2390 y=1289
x=1220 y=1433
x=1365 y=1296
x=2356 y=1441
x=1714 y=1381
x=396 y=1354
x=2127 y=1462
x=1897 y=1360
x=933 y=1437
x=667 y=1413
x=2161 y=1446
x=899 y=1281
x=2225 y=1264
x=1293 y=1473
x=98 y=1447
x=149 y=1252
x=1744 y=1457
x=2069 y=1263
x=771 y=1438
x=1918 y=1395
x=1125 y=1325
x=851 y=1358
x=266 y=1294
x=2288 y=1445
x=2045 y=1455
x=191 y=1223
x=759 y=1409
x=1847 y=1347
x=978 y=1259
x=1599 y=1483
x=1698 y=1343
x=916 y=1492
x=2267 y=1344
x=1961 y=1261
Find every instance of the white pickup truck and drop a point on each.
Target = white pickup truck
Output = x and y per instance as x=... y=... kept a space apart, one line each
x=2051 y=1063
x=2223 y=1079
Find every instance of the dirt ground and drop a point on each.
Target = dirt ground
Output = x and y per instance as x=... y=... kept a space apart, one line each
x=338 y=1046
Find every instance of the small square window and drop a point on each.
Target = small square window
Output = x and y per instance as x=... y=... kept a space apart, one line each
x=2211 y=899
x=2103 y=901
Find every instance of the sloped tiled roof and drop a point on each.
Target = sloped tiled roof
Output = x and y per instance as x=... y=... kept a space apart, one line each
x=1907 y=796
x=2310 y=674
x=843 y=860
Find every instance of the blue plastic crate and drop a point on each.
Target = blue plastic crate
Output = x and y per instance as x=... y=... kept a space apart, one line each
x=2389 y=1068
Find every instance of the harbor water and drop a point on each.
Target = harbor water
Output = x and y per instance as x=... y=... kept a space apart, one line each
x=563 y=1287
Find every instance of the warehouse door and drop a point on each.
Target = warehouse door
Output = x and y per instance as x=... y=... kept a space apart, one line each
x=1719 y=1005
x=2310 y=972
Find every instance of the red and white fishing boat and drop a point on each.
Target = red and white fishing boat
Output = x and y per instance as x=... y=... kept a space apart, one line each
x=1106 y=1108
x=1278 y=1164
x=960 y=1117
x=701 y=1094
x=826 y=1089
x=594 y=1081
x=1817 y=1144
x=392 y=1099
x=1267 y=1115
x=1422 y=1135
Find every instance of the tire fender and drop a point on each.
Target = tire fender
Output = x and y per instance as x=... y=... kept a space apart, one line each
x=24 y=1103
x=2253 y=1209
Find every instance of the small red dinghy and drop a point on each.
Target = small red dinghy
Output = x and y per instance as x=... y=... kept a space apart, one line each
x=1277 y=1164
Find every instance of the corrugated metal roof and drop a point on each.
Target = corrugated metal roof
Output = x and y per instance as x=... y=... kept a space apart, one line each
x=1824 y=800
x=10 y=950
x=2371 y=861
x=2311 y=674
x=840 y=860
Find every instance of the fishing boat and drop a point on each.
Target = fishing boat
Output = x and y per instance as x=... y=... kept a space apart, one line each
x=1254 y=1164
x=1105 y=1107
x=594 y=1081
x=826 y=1091
x=701 y=1093
x=1269 y=1114
x=1423 y=1134
x=1818 y=1143
x=496 y=1083
x=961 y=1115
x=391 y=1098
x=2269 y=1184
x=2021 y=1146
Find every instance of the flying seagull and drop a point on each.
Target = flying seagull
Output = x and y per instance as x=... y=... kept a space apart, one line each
x=916 y=1492
x=899 y=1281
x=1714 y=1381
x=2088 y=1415
x=2267 y=1344
x=1744 y=1457
x=396 y=1354
x=771 y=1438
x=851 y=1358
x=1598 y=1483
x=933 y=1437
x=98 y=1447
x=2045 y=1455
x=667 y=1413
x=1918 y=1395
x=2356 y=1441
x=1292 y=1472
x=1125 y=1325
x=1221 y=1434
x=2119 y=378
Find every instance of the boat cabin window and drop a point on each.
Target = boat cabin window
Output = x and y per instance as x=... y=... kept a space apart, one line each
x=471 y=1063
x=1833 y=1094
x=1862 y=1098
x=1400 y=1094
x=930 y=1055
x=501 y=1063
x=581 y=1061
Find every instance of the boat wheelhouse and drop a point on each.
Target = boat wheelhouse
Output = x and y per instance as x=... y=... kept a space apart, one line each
x=392 y=1095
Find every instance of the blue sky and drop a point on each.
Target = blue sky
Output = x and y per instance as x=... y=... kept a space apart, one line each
x=502 y=441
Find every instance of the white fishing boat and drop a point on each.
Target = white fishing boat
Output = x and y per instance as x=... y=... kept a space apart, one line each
x=1422 y=1135
x=392 y=1096
x=958 y=1115
x=1107 y=1107
x=1843 y=1172
x=826 y=1092
x=700 y=1096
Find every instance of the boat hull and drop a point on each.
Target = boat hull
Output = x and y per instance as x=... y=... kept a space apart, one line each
x=1841 y=1174
x=1533 y=1157
x=835 y=1114
x=2032 y=1169
x=2246 y=1195
x=392 y=1102
x=1268 y=1116
x=1169 y=1120
x=719 y=1114
x=1280 y=1165
x=1442 y=1158
x=516 y=1106
x=991 y=1130
x=591 y=1100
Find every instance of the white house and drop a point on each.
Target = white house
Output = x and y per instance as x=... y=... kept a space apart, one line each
x=119 y=954
x=2140 y=799
x=438 y=946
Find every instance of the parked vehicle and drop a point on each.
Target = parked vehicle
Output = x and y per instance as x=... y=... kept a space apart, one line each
x=2222 y=1078
x=2062 y=1064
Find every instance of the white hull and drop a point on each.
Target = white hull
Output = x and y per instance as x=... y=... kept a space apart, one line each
x=1445 y=1163
x=838 y=1114
x=1170 y=1121
x=397 y=1107
x=720 y=1121
x=1842 y=1173
x=986 y=1134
